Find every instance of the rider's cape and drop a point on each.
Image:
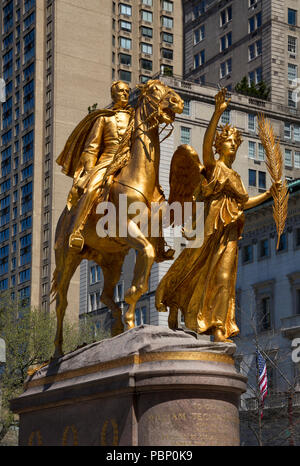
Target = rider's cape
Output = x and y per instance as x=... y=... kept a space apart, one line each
x=69 y=159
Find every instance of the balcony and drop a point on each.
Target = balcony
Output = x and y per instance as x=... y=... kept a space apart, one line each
x=290 y=326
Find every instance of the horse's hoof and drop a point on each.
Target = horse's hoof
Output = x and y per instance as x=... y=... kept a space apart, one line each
x=161 y=308
x=58 y=353
x=129 y=325
x=117 y=329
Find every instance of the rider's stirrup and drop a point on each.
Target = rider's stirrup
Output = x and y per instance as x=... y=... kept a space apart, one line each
x=76 y=241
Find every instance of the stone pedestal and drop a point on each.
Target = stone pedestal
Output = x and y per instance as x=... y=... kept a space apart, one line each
x=149 y=386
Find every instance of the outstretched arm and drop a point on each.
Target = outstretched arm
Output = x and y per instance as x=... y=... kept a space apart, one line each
x=220 y=106
x=256 y=200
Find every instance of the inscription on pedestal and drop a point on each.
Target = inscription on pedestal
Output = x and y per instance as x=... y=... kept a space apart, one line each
x=190 y=422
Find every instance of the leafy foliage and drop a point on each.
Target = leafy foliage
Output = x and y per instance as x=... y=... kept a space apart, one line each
x=29 y=338
x=259 y=91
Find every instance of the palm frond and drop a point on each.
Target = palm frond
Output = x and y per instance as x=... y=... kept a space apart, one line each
x=274 y=162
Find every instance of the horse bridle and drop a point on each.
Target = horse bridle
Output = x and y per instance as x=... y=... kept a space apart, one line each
x=155 y=113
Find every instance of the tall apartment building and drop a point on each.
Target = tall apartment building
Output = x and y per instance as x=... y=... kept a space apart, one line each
x=54 y=66
x=58 y=58
x=225 y=40
x=146 y=39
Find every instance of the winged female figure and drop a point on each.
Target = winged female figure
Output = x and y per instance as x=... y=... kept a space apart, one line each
x=201 y=282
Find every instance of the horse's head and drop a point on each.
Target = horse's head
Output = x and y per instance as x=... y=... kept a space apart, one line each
x=164 y=102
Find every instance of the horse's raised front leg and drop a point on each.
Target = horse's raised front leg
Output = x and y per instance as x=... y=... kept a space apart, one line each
x=144 y=261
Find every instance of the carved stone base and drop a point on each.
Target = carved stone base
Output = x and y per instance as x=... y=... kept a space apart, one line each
x=149 y=386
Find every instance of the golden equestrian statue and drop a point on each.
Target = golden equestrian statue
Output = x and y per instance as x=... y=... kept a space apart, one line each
x=110 y=153
x=201 y=282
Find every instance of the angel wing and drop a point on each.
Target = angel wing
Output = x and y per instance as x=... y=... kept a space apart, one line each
x=186 y=173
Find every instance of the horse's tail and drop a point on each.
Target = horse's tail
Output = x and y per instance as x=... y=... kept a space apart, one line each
x=54 y=286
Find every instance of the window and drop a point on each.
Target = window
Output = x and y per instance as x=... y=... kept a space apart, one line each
x=291 y=99
x=125 y=59
x=29 y=20
x=146 y=48
x=29 y=48
x=225 y=41
x=199 y=59
x=167 y=53
x=297 y=159
x=226 y=16
x=146 y=32
x=247 y=254
x=225 y=68
x=258 y=75
x=167 y=37
x=125 y=43
x=226 y=117
x=125 y=26
x=141 y=316
x=264 y=248
x=261 y=152
x=262 y=180
x=147 y=16
x=186 y=107
x=26 y=224
x=125 y=9
x=251 y=122
x=292 y=71
x=288 y=157
x=147 y=2
x=282 y=243
x=296 y=133
x=95 y=274
x=292 y=44
x=199 y=34
x=6 y=138
x=167 y=6
x=264 y=315
x=292 y=17
x=144 y=79
x=251 y=51
x=287 y=130
x=166 y=70
x=255 y=49
x=24 y=276
x=254 y=22
x=125 y=76
x=167 y=22
x=251 y=150
x=146 y=64
x=251 y=177
x=185 y=135
x=199 y=9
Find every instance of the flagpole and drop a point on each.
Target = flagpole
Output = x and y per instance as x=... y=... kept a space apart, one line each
x=259 y=404
x=290 y=394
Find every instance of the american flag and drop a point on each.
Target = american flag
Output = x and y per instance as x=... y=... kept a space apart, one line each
x=262 y=378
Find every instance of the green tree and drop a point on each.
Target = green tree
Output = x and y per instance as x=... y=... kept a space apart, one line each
x=259 y=90
x=29 y=338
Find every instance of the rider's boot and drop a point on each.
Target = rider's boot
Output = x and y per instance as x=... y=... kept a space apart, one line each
x=76 y=240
